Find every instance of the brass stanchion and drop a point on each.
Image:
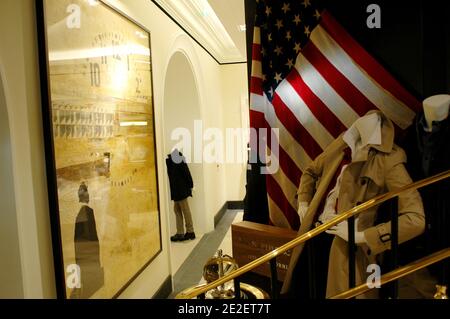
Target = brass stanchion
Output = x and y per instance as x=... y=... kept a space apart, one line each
x=441 y=292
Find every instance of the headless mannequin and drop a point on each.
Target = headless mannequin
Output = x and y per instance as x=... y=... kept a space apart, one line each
x=365 y=131
x=181 y=185
x=375 y=166
x=429 y=161
x=426 y=146
x=436 y=109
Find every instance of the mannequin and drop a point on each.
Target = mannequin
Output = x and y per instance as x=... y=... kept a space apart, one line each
x=427 y=147
x=359 y=165
x=181 y=186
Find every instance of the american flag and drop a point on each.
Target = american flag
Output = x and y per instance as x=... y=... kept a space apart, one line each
x=311 y=80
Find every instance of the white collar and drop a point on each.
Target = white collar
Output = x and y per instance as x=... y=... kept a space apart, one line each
x=365 y=131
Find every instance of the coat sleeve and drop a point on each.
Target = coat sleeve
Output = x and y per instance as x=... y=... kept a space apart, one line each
x=309 y=180
x=411 y=220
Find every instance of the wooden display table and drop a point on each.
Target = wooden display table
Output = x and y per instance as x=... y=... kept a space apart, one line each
x=252 y=240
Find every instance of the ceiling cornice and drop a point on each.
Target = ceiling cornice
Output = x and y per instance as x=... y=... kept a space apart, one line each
x=200 y=21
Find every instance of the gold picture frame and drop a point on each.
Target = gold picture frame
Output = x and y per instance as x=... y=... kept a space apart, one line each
x=97 y=102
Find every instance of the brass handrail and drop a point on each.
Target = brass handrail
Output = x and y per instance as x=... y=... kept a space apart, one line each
x=313 y=233
x=397 y=273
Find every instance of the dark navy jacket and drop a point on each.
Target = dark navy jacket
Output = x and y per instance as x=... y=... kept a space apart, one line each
x=429 y=154
x=180 y=178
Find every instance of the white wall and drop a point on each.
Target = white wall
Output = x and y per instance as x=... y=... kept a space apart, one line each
x=18 y=58
x=235 y=102
x=11 y=285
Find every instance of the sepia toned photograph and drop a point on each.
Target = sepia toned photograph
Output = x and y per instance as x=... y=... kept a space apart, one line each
x=101 y=111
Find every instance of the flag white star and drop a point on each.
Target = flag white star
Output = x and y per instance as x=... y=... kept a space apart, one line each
x=271 y=92
x=307 y=32
x=278 y=50
x=269 y=37
x=286 y=7
x=263 y=52
x=297 y=19
x=277 y=77
x=288 y=35
x=306 y=3
x=290 y=63
x=264 y=78
x=297 y=47
x=268 y=10
x=279 y=24
x=317 y=15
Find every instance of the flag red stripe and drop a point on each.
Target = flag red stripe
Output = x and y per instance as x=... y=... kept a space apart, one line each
x=274 y=189
x=354 y=98
x=367 y=62
x=287 y=165
x=256 y=85
x=300 y=134
x=277 y=195
x=343 y=86
x=257 y=119
x=256 y=52
x=285 y=162
x=321 y=111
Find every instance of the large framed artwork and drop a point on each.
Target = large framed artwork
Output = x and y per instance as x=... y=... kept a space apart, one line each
x=100 y=146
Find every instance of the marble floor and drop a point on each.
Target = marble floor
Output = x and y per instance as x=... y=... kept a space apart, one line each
x=187 y=263
x=226 y=244
x=180 y=251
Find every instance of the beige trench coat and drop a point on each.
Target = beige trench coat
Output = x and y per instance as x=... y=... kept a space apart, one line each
x=380 y=170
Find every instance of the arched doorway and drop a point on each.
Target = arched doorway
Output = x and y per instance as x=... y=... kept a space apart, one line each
x=181 y=110
x=11 y=285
